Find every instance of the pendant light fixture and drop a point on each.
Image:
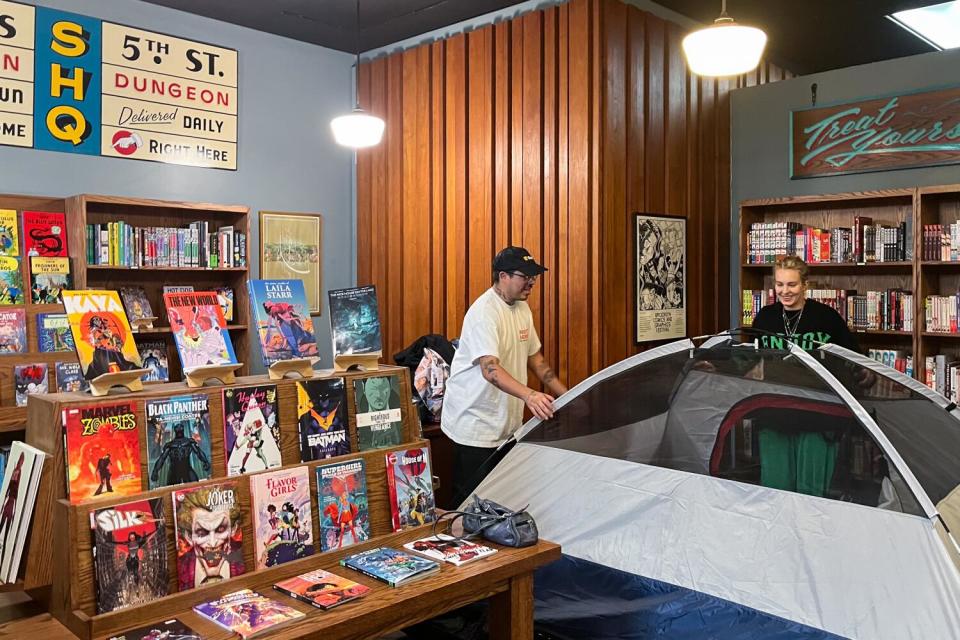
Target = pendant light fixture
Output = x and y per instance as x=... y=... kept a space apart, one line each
x=725 y=48
x=358 y=129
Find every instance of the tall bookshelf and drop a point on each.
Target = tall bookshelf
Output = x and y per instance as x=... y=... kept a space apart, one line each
x=916 y=206
x=138 y=212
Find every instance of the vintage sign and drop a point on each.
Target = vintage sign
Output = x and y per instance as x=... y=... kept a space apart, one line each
x=80 y=85
x=894 y=132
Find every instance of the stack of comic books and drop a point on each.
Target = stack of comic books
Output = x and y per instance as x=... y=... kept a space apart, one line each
x=322 y=589
x=21 y=479
x=456 y=551
x=390 y=565
x=411 y=488
x=284 y=325
x=247 y=613
x=199 y=329
x=102 y=448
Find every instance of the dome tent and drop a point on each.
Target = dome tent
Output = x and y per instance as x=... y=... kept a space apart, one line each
x=735 y=492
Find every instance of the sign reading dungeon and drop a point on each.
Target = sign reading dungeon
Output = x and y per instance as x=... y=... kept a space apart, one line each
x=80 y=85
x=895 y=132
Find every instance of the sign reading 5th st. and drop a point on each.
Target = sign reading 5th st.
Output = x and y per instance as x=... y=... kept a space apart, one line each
x=71 y=83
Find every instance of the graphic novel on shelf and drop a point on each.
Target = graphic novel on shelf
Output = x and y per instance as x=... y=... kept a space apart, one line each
x=166 y=630
x=379 y=418
x=45 y=234
x=410 y=486
x=322 y=589
x=129 y=554
x=153 y=357
x=21 y=480
x=178 y=440
x=199 y=329
x=101 y=332
x=209 y=534
x=53 y=333
x=391 y=565
x=13 y=331
x=9 y=233
x=49 y=277
x=247 y=613
x=354 y=321
x=30 y=379
x=11 y=281
x=70 y=377
x=102 y=447
x=456 y=551
x=342 y=501
x=284 y=325
x=282 y=516
x=251 y=429
x=322 y=418
x=225 y=298
x=136 y=303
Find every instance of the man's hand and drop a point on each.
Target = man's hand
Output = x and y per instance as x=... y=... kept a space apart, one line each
x=540 y=404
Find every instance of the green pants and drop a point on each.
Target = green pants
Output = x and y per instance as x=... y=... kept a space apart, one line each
x=801 y=461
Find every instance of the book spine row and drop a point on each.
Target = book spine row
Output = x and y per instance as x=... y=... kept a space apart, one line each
x=943 y=376
x=864 y=242
x=941 y=313
x=196 y=246
x=890 y=310
x=941 y=242
x=898 y=359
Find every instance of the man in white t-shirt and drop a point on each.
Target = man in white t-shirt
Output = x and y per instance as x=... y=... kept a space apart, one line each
x=487 y=388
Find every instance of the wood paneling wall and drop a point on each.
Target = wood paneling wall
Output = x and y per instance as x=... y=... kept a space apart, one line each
x=546 y=131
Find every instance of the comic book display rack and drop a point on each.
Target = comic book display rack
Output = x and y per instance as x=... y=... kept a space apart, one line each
x=58 y=569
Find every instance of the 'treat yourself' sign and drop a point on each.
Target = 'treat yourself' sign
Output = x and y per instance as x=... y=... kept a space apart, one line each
x=894 y=132
x=80 y=85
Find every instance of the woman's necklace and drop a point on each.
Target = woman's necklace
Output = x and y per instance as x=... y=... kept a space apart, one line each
x=790 y=325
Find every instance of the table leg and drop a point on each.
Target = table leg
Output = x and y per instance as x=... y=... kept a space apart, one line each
x=511 y=612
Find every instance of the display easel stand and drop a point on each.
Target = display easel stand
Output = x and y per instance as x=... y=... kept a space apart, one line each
x=131 y=379
x=304 y=366
x=362 y=362
x=198 y=376
x=140 y=324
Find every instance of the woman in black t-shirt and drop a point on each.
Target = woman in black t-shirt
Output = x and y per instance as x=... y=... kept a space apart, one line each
x=806 y=323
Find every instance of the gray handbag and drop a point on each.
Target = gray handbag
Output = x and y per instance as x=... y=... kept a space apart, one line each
x=496 y=523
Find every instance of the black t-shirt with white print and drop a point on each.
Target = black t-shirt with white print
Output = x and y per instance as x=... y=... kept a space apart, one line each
x=818 y=324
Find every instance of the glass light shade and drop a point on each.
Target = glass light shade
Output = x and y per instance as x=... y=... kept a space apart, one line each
x=357 y=130
x=724 y=49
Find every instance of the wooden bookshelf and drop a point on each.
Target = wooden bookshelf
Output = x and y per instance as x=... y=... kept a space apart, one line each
x=138 y=212
x=916 y=206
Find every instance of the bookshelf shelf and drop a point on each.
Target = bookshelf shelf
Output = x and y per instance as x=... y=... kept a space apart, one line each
x=881 y=332
x=156 y=330
x=110 y=267
x=868 y=266
x=941 y=334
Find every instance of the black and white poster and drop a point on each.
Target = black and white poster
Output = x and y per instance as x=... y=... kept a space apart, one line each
x=661 y=250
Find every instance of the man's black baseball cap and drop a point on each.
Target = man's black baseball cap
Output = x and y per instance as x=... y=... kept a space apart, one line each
x=517 y=259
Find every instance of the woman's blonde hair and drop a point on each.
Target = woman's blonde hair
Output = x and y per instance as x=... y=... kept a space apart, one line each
x=795 y=264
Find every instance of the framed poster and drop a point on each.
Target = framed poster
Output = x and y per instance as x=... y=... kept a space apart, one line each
x=661 y=256
x=290 y=249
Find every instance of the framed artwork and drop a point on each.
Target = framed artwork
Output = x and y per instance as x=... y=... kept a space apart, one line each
x=661 y=264
x=290 y=246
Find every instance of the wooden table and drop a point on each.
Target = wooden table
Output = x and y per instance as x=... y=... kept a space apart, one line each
x=505 y=579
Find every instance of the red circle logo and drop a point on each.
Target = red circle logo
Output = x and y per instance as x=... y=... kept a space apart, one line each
x=126 y=143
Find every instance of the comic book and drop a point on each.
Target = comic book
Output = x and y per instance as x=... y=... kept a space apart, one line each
x=446 y=548
x=178 y=440
x=354 y=321
x=45 y=234
x=322 y=418
x=322 y=589
x=209 y=534
x=153 y=357
x=379 y=419
x=11 y=281
x=391 y=565
x=282 y=517
x=284 y=325
x=129 y=554
x=199 y=329
x=342 y=503
x=13 y=331
x=225 y=298
x=247 y=613
x=102 y=445
x=70 y=377
x=53 y=332
x=178 y=288
x=30 y=379
x=21 y=480
x=48 y=278
x=251 y=429
x=166 y=630
x=136 y=303
x=101 y=332
x=9 y=235
x=410 y=487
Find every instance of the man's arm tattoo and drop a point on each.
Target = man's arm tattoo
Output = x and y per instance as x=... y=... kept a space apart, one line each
x=489 y=366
